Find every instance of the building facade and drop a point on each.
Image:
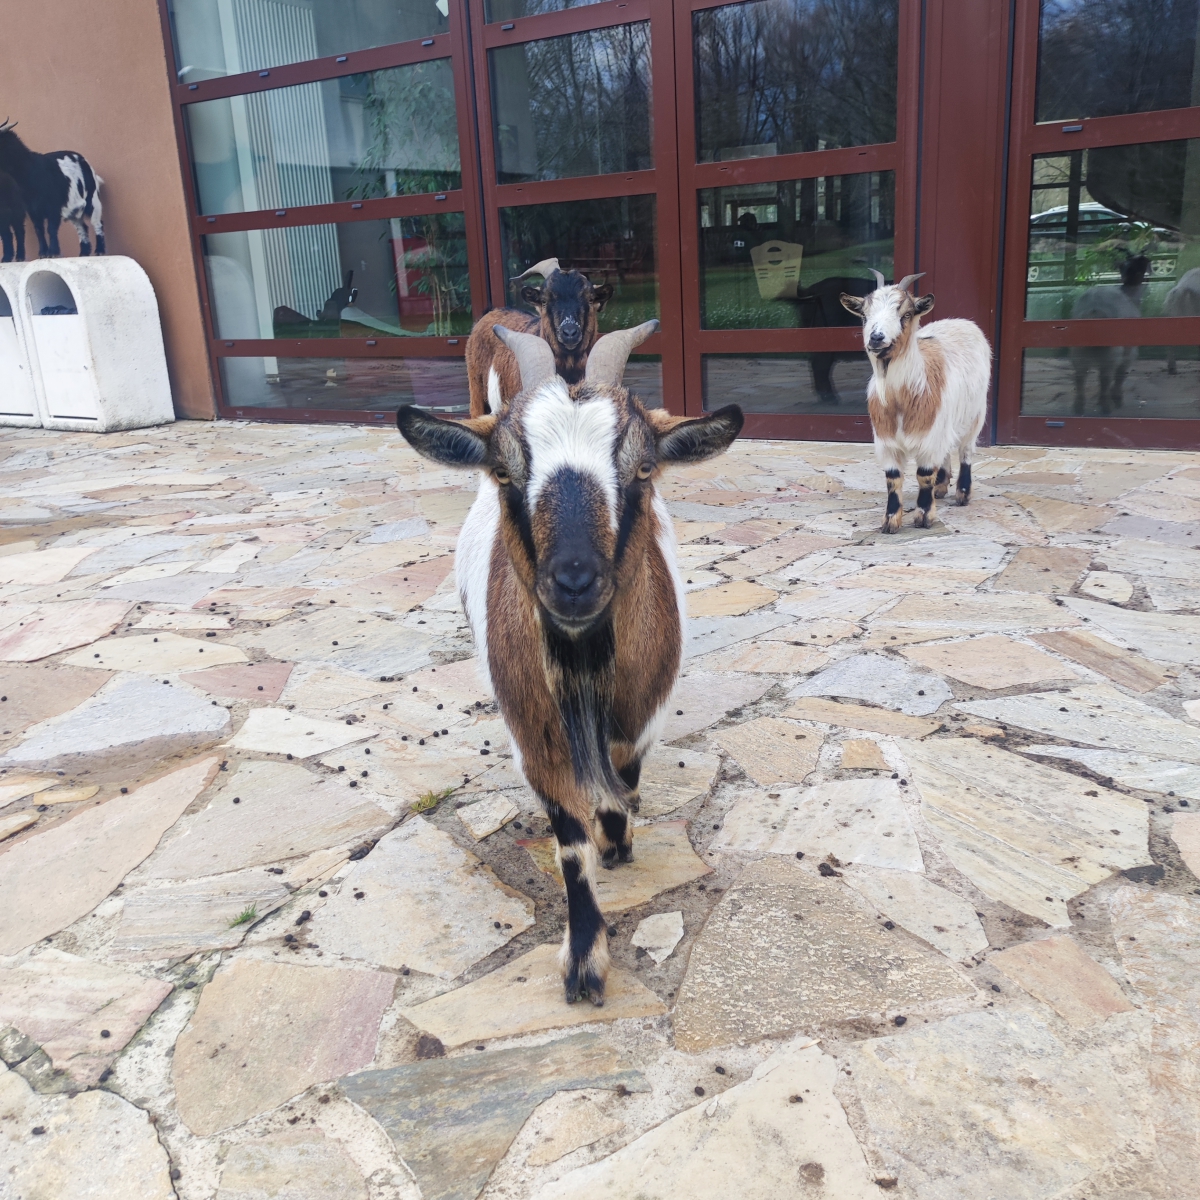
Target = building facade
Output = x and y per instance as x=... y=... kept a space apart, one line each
x=326 y=193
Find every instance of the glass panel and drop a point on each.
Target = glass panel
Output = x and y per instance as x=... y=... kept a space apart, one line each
x=609 y=240
x=577 y=105
x=1114 y=381
x=643 y=378
x=787 y=383
x=347 y=384
x=510 y=10
x=1113 y=231
x=778 y=255
x=398 y=278
x=383 y=133
x=1097 y=58
x=781 y=76
x=225 y=37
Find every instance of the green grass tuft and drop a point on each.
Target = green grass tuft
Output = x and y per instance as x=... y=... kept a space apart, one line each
x=431 y=800
x=245 y=916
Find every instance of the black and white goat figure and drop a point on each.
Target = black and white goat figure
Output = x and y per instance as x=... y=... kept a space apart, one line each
x=12 y=219
x=1111 y=363
x=55 y=187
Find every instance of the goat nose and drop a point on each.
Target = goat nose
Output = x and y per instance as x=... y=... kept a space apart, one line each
x=574 y=577
x=875 y=340
x=570 y=327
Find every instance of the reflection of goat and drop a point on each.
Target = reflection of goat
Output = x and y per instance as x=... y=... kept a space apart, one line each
x=823 y=308
x=1183 y=300
x=331 y=311
x=1111 y=363
x=12 y=219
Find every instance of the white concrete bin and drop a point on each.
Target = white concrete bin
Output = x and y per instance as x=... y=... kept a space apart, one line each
x=95 y=344
x=18 y=400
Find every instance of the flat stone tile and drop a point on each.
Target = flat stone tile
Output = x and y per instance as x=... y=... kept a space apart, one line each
x=666 y=785
x=254 y=681
x=1096 y=715
x=185 y=619
x=1107 y=586
x=702 y=698
x=1022 y=833
x=54 y=878
x=265 y=1031
x=179 y=589
x=984 y=1103
x=566 y=1122
x=1163 y=637
x=42 y=566
x=327 y=689
x=1131 y=770
x=772 y=749
x=750 y=1141
x=525 y=996
x=663 y=859
x=959 y=552
x=773 y=555
x=18 y=786
x=1121 y=666
x=277 y=731
x=935 y=915
x=855 y=820
x=1061 y=516
x=880 y=680
x=63 y=1002
x=758 y=970
x=859 y=716
x=34 y=693
x=291 y=1166
x=659 y=934
x=94 y=1145
x=703 y=635
x=406 y=771
x=486 y=816
x=1050 y=570
x=1060 y=973
x=426 y=904
x=177 y=919
x=882 y=636
x=845 y=604
x=728 y=599
x=991 y=662
x=13 y=823
x=50 y=628
x=1185 y=833
x=453 y=1119
x=283 y=812
x=127 y=712
x=1192 y=709
x=894 y=577
x=771 y=657
x=862 y=754
x=155 y=654
x=990 y=612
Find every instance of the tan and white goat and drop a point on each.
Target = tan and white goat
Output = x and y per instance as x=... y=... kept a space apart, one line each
x=927 y=398
x=566 y=566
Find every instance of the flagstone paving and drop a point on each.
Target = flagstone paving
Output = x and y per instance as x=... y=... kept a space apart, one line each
x=278 y=916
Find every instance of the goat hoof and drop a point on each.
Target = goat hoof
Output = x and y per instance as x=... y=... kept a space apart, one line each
x=580 y=983
x=625 y=854
x=922 y=519
x=939 y=492
x=608 y=859
x=962 y=498
x=891 y=524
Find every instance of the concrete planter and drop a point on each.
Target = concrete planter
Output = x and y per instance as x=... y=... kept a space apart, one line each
x=18 y=398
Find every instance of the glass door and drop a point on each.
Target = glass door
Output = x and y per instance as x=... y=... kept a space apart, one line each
x=1101 y=309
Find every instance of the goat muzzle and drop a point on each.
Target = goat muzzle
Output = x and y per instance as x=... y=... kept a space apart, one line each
x=570 y=333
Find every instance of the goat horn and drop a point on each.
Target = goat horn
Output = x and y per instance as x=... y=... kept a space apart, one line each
x=606 y=362
x=534 y=357
x=880 y=282
x=544 y=268
x=909 y=279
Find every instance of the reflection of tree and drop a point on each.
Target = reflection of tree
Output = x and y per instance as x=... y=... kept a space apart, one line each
x=442 y=265
x=802 y=74
x=1104 y=57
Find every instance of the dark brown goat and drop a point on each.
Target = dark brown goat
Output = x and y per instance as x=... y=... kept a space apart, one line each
x=568 y=308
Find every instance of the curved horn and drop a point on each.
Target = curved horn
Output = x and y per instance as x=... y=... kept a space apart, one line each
x=544 y=268
x=606 y=362
x=880 y=282
x=903 y=285
x=7 y=125
x=533 y=354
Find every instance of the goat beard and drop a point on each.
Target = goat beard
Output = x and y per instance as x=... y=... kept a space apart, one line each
x=582 y=673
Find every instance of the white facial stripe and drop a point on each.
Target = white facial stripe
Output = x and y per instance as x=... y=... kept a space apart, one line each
x=884 y=314
x=562 y=432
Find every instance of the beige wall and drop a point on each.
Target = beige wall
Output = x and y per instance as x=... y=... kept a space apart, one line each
x=91 y=77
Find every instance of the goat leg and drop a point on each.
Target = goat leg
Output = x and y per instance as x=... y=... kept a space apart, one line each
x=584 y=954
x=925 y=500
x=963 y=494
x=942 y=484
x=895 y=504
x=613 y=831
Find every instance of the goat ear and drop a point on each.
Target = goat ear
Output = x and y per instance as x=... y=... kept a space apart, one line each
x=690 y=440
x=923 y=304
x=852 y=304
x=601 y=295
x=532 y=295
x=451 y=443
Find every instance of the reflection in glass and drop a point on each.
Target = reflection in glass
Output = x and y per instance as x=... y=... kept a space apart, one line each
x=1114 y=381
x=609 y=240
x=225 y=37
x=781 y=76
x=511 y=10
x=382 y=133
x=577 y=105
x=643 y=379
x=402 y=277
x=1113 y=231
x=1098 y=58
x=787 y=383
x=347 y=384
x=778 y=255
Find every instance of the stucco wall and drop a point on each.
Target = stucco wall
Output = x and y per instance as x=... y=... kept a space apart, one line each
x=91 y=77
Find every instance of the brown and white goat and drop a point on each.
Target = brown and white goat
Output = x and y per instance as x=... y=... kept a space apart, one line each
x=567 y=569
x=927 y=397
x=568 y=309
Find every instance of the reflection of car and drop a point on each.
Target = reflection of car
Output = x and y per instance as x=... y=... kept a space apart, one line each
x=1048 y=243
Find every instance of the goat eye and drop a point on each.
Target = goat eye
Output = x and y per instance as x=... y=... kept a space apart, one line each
x=503 y=478
x=645 y=470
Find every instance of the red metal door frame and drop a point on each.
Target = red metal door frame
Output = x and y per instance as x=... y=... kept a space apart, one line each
x=1028 y=138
